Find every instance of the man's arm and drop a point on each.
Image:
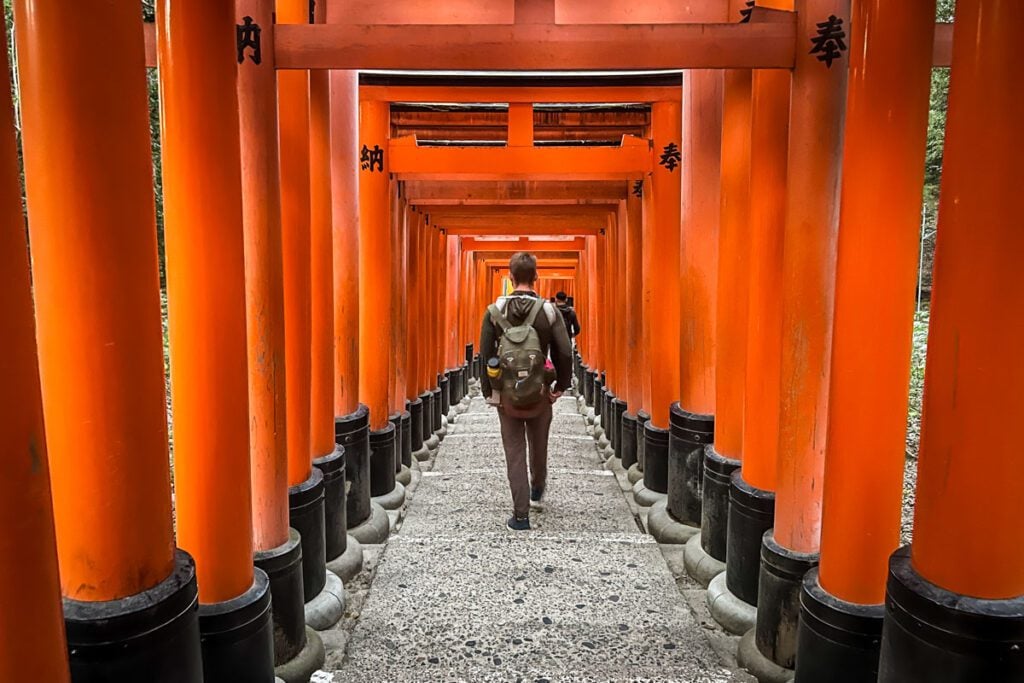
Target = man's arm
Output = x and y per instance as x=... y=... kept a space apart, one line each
x=488 y=349
x=561 y=355
x=574 y=323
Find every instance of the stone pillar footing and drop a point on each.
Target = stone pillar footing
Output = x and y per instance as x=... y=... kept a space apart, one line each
x=106 y=645
x=699 y=565
x=933 y=634
x=375 y=529
x=393 y=500
x=302 y=667
x=326 y=609
x=762 y=668
x=734 y=615
x=667 y=529
x=404 y=476
x=348 y=565
x=644 y=497
x=634 y=474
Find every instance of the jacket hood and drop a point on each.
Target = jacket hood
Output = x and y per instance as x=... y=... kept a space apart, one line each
x=517 y=306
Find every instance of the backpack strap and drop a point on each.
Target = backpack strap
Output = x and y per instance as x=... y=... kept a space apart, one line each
x=498 y=318
x=534 y=311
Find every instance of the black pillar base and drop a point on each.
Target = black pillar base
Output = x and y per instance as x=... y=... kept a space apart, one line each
x=454 y=387
x=627 y=440
x=335 y=518
x=837 y=641
x=607 y=423
x=152 y=636
x=778 y=600
x=751 y=512
x=442 y=384
x=352 y=433
x=598 y=395
x=283 y=567
x=435 y=418
x=382 y=461
x=588 y=386
x=618 y=410
x=714 y=518
x=238 y=636
x=306 y=515
x=934 y=635
x=396 y=422
x=655 y=458
x=416 y=424
x=642 y=418
x=469 y=355
x=405 y=457
x=427 y=397
x=688 y=434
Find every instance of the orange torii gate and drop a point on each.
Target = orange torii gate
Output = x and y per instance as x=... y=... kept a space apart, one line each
x=631 y=251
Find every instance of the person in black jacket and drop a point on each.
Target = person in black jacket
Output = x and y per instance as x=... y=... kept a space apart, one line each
x=572 y=323
x=531 y=424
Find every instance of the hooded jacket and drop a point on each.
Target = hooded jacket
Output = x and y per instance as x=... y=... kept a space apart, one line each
x=572 y=323
x=554 y=340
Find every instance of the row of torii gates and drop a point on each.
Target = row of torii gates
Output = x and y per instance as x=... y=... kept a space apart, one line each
x=740 y=242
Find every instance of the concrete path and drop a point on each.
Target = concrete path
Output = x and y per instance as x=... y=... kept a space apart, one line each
x=584 y=596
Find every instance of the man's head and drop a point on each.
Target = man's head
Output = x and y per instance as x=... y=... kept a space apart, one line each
x=561 y=297
x=523 y=267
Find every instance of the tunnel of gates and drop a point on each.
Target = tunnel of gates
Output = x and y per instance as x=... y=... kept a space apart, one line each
x=739 y=240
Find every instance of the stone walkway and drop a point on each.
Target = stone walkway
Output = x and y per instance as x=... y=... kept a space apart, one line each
x=584 y=596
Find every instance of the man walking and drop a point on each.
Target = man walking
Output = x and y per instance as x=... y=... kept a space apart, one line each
x=572 y=323
x=520 y=332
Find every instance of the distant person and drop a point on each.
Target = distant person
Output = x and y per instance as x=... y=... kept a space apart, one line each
x=519 y=334
x=572 y=323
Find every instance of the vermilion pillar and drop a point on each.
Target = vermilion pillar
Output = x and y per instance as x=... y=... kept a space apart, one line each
x=886 y=118
x=633 y=323
x=809 y=241
x=206 y=296
x=264 y=285
x=32 y=618
x=664 y=243
x=965 y=569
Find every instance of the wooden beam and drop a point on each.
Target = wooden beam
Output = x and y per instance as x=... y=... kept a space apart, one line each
x=471 y=193
x=535 y=94
x=409 y=162
x=336 y=44
x=472 y=244
x=518 y=228
x=595 y=212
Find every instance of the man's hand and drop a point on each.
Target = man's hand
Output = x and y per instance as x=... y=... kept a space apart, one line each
x=555 y=395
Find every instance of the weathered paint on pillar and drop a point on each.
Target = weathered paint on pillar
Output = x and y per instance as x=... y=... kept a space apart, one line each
x=264 y=282
x=293 y=116
x=399 y=337
x=321 y=247
x=970 y=472
x=206 y=292
x=666 y=128
x=622 y=388
x=633 y=282
x=374 y=262
x=769 y=140
x=647 y=293
x=808 y=278
x=31 y=619
x=733 y=245
x=95 y=279
x=879 y=224
x=345 y=220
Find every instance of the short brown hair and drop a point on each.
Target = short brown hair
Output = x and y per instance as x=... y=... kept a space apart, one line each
x=523 y=266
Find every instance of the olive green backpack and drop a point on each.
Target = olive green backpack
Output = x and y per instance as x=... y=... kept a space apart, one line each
x=521 y=359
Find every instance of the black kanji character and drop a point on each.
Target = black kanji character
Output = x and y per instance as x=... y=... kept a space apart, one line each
x=828 y=44
x=638 y=188
x=671 y=156
x=746 y=13
x=247 y=35
x=368 y=158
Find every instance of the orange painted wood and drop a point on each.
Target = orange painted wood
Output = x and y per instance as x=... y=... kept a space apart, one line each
x=733 y=258
x=410 y=162
x=769 y=140
x=971 y=472
x=517 y=93
x=574 y=244
x=426 y=193
x=264 y=285
x=95 y=280
x=666 y=130
x=647 y=293
x=375 y=244
x=701 y=170
x=206 y=292
x=520 y=124
x=396 y=392
x=633 y=295
x=808 y=280
x=321 y=264
x=30 y=590
x=345 y=217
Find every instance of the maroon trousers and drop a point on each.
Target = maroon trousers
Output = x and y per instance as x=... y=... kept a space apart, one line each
x=528 y=428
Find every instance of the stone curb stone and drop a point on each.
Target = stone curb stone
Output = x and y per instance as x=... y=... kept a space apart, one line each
x=349 y=563
x=375 y=529
x=734 y=615
x=404 y=476
x=665 y=529
x=764 y=669
x=327 y=608
x=634 y=474
x=393 y=500
x=306 y=663
x=644 y=497
x=699 y=565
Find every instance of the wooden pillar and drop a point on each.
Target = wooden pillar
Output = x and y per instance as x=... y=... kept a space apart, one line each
x=345 y=218
x=321 y=272
x=206 y=293
x=647 y=294
x=633 y=281
x=374 y=262
x=32 y=617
